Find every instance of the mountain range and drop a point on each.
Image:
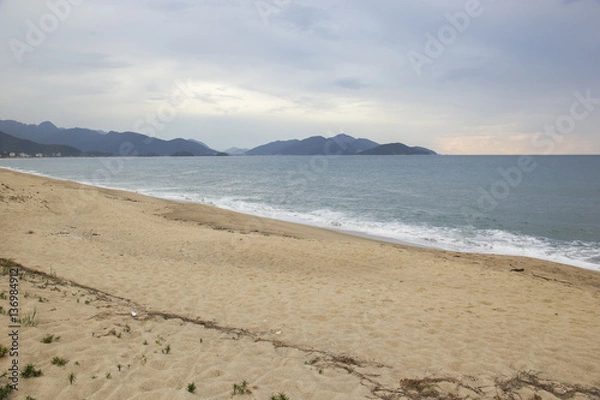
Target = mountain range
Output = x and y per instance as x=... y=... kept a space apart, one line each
x=341 y=144
x=10 y=144
x=88 y=142
x=111 y=143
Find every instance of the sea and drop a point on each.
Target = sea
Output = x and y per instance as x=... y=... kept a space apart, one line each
x=545 y=207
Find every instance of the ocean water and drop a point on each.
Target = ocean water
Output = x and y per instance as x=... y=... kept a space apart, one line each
x=546 y=207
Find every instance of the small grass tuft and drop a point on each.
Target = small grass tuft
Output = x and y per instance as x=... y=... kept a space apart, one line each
x=191 y=387
x=49 y=339
x=279 y=396
x=7 y=265
x=71 y=378
x=30 y=372
x=5 y=391
x=108 y=375
x=59 y=361
x=166 y=349
x=29 y=319
x=3 y=351
x=241 y=388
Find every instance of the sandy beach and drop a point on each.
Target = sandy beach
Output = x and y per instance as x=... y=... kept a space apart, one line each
x=222 y=298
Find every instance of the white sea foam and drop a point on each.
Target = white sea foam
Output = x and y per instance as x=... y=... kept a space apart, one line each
x=466 y=239
x=421 y=223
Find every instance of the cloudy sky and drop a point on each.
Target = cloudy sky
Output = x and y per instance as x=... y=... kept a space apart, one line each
x=460 y=77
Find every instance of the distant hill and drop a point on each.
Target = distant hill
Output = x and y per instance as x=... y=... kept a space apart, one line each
x=341 y=144
x=397 y=149
x=197 y=141
x=234 y=151
x=272 y=148
x=112 y=143
x=10 y=144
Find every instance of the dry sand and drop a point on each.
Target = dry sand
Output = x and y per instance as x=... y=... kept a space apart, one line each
x=308 y=312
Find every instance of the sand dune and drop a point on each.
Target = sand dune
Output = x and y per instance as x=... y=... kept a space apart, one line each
x=307 y=312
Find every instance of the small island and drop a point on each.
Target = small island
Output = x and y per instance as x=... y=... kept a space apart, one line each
x=396 y=149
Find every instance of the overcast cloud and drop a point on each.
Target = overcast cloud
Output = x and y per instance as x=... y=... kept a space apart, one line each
x=508 y=80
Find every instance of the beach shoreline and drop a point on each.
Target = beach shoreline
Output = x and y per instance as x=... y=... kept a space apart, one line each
x=311 y=312
x=345 y=231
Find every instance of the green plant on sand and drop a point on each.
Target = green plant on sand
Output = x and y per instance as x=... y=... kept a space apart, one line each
x=241 y=388
x=29 y=319
x=59 y=361
x=5 y=391
x=279 y=396
x=30 y=372
x=49 y=339
x=191 y=387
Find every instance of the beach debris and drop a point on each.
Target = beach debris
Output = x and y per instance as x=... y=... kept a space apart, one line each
x=517 y=270
x=133 y=314
x=550 y=279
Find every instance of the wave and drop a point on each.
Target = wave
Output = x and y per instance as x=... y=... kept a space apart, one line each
x=455 y=238
x=461 y=239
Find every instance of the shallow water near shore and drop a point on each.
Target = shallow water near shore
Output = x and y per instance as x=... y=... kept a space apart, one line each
x=545 y=207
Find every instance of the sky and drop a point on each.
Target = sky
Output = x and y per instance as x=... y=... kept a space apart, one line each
x=459 y=77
